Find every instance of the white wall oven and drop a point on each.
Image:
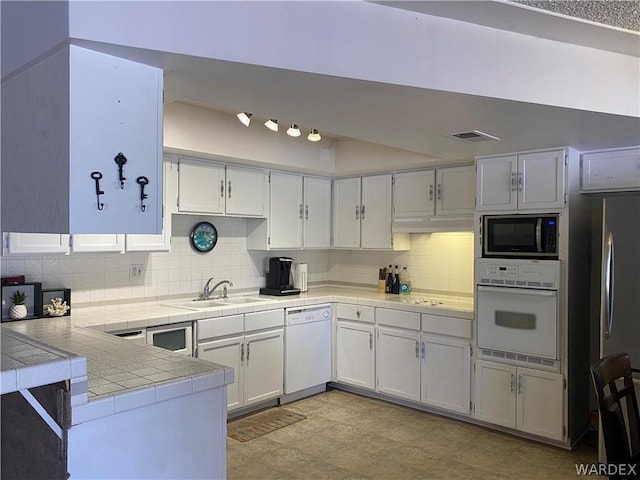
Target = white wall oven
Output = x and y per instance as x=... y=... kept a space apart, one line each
x=177 y=337
x=518 y=310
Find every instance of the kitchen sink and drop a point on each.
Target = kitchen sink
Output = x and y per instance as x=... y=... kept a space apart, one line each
x=198 y=304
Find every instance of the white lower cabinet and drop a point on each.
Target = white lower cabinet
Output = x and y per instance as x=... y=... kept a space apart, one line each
x=398 y=363
x=520 y=398
x=446 y=374
x=355 y=349
x=263 y=366
x=256 y=355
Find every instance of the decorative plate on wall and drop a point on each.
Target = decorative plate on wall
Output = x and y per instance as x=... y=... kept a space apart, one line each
x=204 y=237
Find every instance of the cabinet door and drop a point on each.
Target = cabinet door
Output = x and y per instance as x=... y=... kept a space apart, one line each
x=456 y=190
x=97 y=243
x=541 y=180
x=413 y=194
x=446 y=374
x=115 y=106
x=264 y=366
x=286 y=211
x=201 y=187
x=317 y=212
x=346 y=212
x=355 y=354
x=496 y=187
x=228 y=352
x=375 y=213
x=616 y=170
x=159 y=242
x=398 y=363
x=495 y=393
x=21 y=243
x=540 y=405
x=246 y=191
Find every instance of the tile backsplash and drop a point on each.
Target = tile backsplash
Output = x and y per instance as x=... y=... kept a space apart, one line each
x=437 y=262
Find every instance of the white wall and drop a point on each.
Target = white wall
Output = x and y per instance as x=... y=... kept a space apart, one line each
x=439 y=262
x=214 y=134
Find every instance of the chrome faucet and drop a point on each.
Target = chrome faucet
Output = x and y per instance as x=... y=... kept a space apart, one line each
x=205 y=291
x=224 y=290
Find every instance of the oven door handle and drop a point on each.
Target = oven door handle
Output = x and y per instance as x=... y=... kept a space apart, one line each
x=518 y=291
x=539 y=235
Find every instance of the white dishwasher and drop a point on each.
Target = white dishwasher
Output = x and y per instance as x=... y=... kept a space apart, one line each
x=307 y=348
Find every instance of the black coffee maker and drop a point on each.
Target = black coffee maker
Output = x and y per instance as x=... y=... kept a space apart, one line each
x=279 y=277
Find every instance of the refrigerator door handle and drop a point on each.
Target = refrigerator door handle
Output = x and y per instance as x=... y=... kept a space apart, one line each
x=608 y=273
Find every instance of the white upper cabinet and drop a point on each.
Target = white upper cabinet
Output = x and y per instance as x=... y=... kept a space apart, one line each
x=37 y=243
x=434 y=200
x=299 y=214
x=65 y=121
x=98 y=243
x=213 y=188
x=246 y=191
x=529 y=181
x=611 y=170
x=375 y=212
x=286 y=211
x=346 y=212
x=159 y=242
x=414 y=194
x=455 y=190
x=362 y=213
x=317 y=212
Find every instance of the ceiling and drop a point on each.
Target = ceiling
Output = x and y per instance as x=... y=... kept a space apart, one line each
x=415 y=119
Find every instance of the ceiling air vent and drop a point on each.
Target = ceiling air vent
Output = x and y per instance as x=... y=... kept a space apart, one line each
x=474 y=136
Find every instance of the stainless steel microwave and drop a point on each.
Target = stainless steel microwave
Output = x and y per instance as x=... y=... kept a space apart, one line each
x=514 y=236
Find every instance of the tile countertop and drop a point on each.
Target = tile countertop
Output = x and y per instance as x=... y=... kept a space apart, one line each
x=110 y=374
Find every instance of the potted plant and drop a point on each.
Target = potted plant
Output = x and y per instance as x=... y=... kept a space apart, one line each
x=18 y=309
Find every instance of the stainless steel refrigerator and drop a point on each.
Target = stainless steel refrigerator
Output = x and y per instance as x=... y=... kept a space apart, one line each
x=620 y=278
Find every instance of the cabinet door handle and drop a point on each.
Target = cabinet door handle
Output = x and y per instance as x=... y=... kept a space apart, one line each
x=306 y=212
x=362 y=212
x=229 y=189
x=519 y=384
x=512 y=383
x=439 y=190
x=370 y=341
x=222 y=188
x=520 y=181
x=242 y=353
x=248 y=352
x=300 y=209
x=431 y=191
x=513 y=181
x=357 y=212
x=424 y=350
x=358 y=313
x=417 y=349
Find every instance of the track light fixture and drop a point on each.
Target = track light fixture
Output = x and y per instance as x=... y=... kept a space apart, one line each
x=314 y=135
x=293 y=131
x=245 y=118
x=272 y=124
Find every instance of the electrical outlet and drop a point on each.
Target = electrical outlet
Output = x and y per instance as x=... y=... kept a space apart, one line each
x=135 y=271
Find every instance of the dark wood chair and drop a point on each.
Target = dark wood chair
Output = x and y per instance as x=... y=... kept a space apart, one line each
x=619 y=417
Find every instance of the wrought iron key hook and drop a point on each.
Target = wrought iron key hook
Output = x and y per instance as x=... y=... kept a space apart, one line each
x=120 y=160
x=142 y=181
x=97 y=176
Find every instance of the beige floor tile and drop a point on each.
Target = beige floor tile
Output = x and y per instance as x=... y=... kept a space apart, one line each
x=347 y=436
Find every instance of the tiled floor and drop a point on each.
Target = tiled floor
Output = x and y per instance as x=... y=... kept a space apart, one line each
x=347 y=436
